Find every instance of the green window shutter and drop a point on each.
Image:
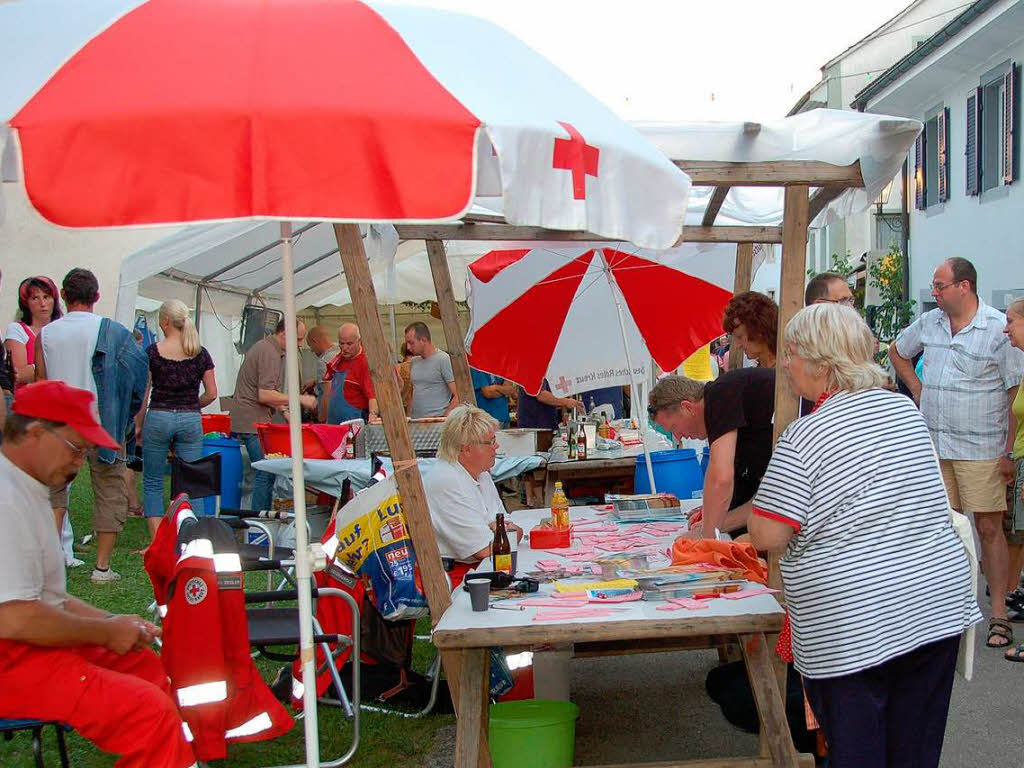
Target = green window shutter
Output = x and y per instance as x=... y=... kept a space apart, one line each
x=972 y=147
x=1009 y=162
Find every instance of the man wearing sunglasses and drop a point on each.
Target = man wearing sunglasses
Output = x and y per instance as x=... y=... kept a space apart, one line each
x=62 y=659
x=970 y=379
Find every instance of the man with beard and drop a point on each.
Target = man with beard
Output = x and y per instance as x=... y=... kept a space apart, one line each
x=62 y=659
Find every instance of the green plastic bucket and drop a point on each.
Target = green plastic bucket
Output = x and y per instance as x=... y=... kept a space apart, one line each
x=533 y=733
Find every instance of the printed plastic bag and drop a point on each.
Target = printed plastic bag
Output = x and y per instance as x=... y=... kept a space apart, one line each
x=373 y=541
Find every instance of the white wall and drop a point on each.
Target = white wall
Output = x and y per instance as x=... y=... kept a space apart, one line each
x=985 y=229
x=29 y=245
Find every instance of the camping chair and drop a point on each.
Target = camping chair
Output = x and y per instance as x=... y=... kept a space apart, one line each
x=9 y=727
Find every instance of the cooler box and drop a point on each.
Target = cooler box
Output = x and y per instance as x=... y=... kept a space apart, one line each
x=230 y=451
x=216 y=422
x=677 y=472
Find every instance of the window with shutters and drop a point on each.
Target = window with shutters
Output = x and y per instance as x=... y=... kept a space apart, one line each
x=931 y=161
x=992 y=151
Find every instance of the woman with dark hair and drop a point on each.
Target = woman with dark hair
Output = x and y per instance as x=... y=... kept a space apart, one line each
x=752 y=321
x=38 y=305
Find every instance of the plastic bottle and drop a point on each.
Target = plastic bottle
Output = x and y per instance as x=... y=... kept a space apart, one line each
x=559 y=507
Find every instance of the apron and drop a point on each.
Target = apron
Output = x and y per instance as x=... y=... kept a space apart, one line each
x=339 y=409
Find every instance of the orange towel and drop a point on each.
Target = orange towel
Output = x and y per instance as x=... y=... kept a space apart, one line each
x=724 y=554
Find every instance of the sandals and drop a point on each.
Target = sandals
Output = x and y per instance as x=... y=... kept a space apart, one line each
x=1015 y=653
x=1000 y=633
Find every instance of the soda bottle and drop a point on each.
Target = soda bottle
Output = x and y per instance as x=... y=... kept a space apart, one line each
x=581 y=444
x=604 y=429
x=501 y=550
x=560 y=507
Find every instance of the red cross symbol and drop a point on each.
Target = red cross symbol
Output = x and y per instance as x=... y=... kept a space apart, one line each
x=194 y=589
x=562 y=385
x=575 y=155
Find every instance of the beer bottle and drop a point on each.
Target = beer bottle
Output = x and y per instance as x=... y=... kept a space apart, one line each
x=501 y=550
x=572 y=443
x=581 y=444
x=559 y=507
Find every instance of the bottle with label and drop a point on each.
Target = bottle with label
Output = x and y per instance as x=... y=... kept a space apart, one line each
x=559 y=507
x=350 y=449
x=581 y=444
x=571 y=443
x=604 y=429
x=501 y=550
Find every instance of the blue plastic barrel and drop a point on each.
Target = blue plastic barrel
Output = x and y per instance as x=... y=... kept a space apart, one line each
x=705 y=459
x=230 y=451
x=677 y=472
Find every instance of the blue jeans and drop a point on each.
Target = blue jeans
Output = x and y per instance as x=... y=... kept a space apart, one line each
x=262 y=482
x=163 y=430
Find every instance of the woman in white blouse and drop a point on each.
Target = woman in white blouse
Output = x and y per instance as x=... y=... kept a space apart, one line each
x=878 y=586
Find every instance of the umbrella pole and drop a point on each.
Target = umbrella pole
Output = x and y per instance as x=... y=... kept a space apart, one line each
x=633 y=382
x=303 y=571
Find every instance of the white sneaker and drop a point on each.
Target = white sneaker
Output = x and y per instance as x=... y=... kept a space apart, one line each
x=73 y=562
x=108 y=575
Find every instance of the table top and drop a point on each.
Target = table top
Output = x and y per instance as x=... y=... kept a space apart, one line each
x=624 y=456
x=461 y=627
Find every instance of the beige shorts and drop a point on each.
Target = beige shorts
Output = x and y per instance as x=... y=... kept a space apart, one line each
x=974 y=486
x=59 y=496
x=110 y=497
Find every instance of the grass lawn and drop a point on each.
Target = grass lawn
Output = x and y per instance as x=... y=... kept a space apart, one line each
x=385 y=741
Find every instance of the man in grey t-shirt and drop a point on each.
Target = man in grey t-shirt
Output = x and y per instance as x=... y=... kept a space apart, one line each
x=433 y=382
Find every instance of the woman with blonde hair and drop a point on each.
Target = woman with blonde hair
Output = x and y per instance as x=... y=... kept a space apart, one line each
x=177 y=365
x=878 y=584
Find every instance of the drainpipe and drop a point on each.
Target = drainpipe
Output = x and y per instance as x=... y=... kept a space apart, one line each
x=905 y=245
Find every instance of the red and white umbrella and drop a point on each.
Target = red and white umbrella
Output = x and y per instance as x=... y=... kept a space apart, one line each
x=133 y=112
x=552 y=312
x=171 y=111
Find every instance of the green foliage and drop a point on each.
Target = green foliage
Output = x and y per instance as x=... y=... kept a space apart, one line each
x=894 y=313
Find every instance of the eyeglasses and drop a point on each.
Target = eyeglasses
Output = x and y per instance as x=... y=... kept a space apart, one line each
x=940 y=287
x=80 y=451
x=847 y=302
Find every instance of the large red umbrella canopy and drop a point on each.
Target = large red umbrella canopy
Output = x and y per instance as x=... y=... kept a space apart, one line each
x=131 y=112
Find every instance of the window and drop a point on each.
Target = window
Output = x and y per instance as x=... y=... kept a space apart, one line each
x=931 y=160
x=991 y=144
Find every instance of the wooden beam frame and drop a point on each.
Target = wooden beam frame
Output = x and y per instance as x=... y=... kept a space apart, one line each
x=450 y=320
x=706 y=173
x=511 y=232
x=741 y=283
x=714 y=205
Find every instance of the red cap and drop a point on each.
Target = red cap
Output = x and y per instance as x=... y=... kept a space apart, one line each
x=56 y=401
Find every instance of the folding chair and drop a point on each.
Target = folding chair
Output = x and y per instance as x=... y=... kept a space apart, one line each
x=9 y=727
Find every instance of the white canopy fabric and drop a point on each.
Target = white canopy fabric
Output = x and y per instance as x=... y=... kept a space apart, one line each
x=839 y=137
x=236 y=261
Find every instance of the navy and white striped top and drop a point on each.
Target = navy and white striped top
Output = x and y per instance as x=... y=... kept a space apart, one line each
x=874 y=568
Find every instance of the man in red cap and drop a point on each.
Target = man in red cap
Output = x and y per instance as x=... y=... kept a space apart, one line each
x=62 y=659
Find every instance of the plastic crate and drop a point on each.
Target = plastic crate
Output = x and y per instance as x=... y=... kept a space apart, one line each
x=275 y=438
x=216 y=422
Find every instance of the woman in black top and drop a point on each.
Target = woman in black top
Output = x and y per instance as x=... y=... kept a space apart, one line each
x=177 y=365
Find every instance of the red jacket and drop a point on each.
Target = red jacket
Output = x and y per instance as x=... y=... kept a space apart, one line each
x=219 y=691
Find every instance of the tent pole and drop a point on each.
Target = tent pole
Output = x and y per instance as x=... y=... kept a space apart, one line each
x=450 y=320
x=633 y=381
x=303 y=570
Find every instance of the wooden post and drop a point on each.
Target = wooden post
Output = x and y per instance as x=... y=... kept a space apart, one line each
x=744 y=267
x=791 y=294
x=392 y=413
x=450 y=320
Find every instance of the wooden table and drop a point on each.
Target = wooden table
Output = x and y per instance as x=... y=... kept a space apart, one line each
x=745 y=622
x=609 y=468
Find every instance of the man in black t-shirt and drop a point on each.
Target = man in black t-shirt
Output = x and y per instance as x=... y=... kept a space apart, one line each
x=735 y=413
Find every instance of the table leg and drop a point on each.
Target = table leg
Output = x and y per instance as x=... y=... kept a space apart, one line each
x=471 y=750
x=774 y=727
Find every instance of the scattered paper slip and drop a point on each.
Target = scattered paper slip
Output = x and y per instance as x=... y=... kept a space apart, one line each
x=749 y=593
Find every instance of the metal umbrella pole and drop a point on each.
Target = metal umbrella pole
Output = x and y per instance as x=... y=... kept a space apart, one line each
x=641 y=421
x=303 y=566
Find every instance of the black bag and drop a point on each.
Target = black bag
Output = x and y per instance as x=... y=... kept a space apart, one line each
x=197 y=478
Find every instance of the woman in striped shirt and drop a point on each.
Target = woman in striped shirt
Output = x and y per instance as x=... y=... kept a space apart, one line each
x=878 y=586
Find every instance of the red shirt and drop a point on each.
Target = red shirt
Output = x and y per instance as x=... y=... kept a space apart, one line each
x=358 y=385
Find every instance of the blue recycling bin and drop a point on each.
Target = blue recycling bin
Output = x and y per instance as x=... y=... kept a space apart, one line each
x=677 y=471
x=230 y=451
